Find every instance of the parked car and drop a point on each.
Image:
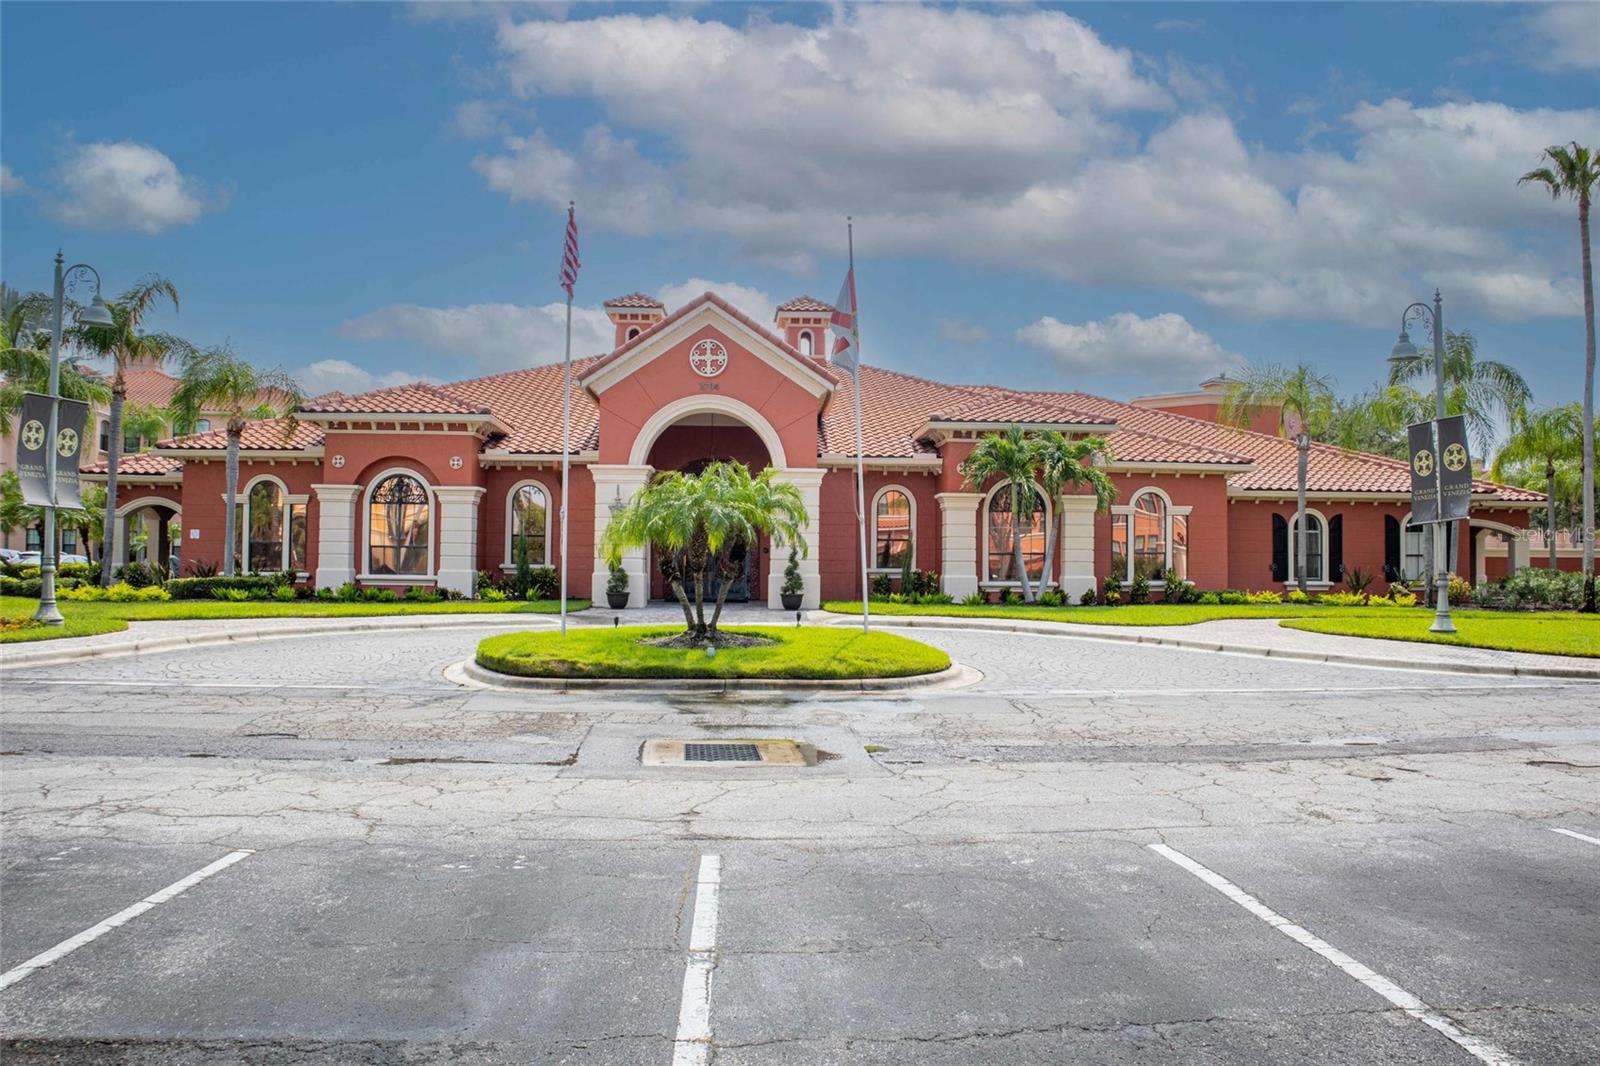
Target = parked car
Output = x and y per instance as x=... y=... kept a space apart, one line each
x=35 y=559
x=10 y=555
x=73 y=557
x=29 y=558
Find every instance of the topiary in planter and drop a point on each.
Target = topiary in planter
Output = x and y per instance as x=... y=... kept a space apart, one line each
x=793 y=591
x=617 y=588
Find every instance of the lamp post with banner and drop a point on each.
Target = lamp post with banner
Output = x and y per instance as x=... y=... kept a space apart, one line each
x=43 y=450
x=1441 y=470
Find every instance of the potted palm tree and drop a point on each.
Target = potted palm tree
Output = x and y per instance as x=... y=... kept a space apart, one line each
x=793 y=590
x=617 y=588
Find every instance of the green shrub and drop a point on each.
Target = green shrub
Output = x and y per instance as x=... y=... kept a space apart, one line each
x=283 y=593
x=422 y=594
x=81 y=571
x=1109 y=585
x=1399 y=599
x=1264 y=596
x=793 y=584
x=347 y=593
x=1358 y=580
x=543 y=583
x=1296 y=596
x=880 y=586
x=139 y=575
x=490 y=594
x=1139 y=591
x=1532 y=587
x=974 y=599
x=20 y=586
x=1460 y=589
x=1342 y=599
x=231 y=595
x=1088 y=598
x=1052 y=598
x=82 y=594
x=380 y=596
x=1232 y=597
x=617 y=580
x=204 y=588
x=1209 y=599
x=122 y=592
x=1113 y=597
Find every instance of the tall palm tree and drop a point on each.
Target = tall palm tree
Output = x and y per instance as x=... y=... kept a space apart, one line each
x=1482 y=391
x=1065 y=464
x=702 y=525
x=126 y=344
x=25 y=358
x=1009 y=457
x=1573 y=170
x=145 y=423
x=217 y=380
x=1304 y=401
x=1549 y=437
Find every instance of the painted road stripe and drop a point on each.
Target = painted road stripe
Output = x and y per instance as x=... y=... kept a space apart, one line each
x=122 y=917
x=693 y=1046
x=1574 y=836
x=1475 y=1046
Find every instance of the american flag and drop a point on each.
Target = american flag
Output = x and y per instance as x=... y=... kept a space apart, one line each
x=569 y=254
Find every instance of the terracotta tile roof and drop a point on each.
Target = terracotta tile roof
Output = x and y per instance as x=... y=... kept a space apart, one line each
x=1002 y=405
x=893 y=408
x=418 y=398
x=529 y=403
x=805 y=303
x=635 y=299
x=144 y=464
x=149 y=386
x=265 y=435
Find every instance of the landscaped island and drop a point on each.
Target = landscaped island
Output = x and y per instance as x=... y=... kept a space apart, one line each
x=832 y=653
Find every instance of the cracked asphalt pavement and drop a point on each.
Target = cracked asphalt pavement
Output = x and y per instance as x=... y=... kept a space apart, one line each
x=464 y=875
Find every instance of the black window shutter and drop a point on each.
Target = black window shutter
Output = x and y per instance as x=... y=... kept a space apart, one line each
x=1391 y=547
x=1280 y=548
x=1336 y=548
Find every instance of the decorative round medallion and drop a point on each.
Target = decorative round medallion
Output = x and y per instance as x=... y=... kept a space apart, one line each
x=1455 y=457
x=455 y=462
x=709 y=358
x=338 y=461
x=1422 y=463
x=67 y=443
x=33 y=435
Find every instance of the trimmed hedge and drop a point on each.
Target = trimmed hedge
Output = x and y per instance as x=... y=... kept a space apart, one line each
x=205 y=588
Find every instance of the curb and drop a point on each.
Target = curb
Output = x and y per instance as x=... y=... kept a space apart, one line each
x=55 y=657
x=1052 y=629
x=953 y=676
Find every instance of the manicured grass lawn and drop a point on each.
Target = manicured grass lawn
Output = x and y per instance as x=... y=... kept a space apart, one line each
x=1552 y=634
x=91 y=617
x=826 y=653
x=1144 y=614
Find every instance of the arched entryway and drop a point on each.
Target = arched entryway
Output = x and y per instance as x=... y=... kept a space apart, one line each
x=1497 y=550
x=149 y=531
x=690 y=445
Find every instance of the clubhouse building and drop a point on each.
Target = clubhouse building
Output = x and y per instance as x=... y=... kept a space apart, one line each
x=425 y=485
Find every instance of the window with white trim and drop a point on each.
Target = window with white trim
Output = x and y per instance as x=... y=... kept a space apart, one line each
x=398 y=526
x=891 y=529
x=1316 y=548
x=806 y=344
x=1001 y=563
x=1413 y=551
x=1149 y=536
x=528 y=520
x=272 y=529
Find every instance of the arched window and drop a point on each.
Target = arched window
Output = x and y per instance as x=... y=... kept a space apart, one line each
x=891 y=530
x=528 y=522
x=1002 y=564
x=264 y=527
x=633 y=331
x=105 y=435
x=1149 y=537
x=1316 y=548
x=806 y=343
x=202 y=425
x=397 y=526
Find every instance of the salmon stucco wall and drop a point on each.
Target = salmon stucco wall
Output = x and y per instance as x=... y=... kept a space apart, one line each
x=205 y=507
x=839 y=536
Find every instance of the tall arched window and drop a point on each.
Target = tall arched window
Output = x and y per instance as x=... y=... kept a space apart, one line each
x=1149 y=537
x=891 y=530
x=1149 y=521
x=529 y=524
x=397 y=526
x=264 y=524
x=806 y=343
x=1316 y=547
x=1001 y=547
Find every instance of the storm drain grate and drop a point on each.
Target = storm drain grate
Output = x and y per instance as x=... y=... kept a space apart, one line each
x=721 y=753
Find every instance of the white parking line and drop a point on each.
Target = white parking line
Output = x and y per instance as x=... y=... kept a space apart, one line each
x=693 y=1046
x=1474 y=1046
x=95 y=932
x=1574 y=836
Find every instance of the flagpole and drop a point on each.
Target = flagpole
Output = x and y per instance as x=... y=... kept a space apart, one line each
x=566 y=446
x=861 y=475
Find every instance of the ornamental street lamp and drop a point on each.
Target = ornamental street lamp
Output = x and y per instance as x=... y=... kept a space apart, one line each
x=1405 y=353
x=96 y=314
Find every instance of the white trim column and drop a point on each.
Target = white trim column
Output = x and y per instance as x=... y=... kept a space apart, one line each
x=958 y=542
x=336 y=534
x=808 y=479
x=1077 y=545
x=458 y=536
x=614 y=482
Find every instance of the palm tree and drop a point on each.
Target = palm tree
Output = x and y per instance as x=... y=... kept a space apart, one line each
x=702 y=525
x=1304 y=401
x=1067 y=464
x=126 y=344
x=25 y=359
x=217 y=380
x=145 y=423
x=1550 y=438
x=1009 y=457
x=1482 y=391
x=1575 y=171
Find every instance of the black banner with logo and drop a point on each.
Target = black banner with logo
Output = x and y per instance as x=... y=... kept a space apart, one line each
x=33 y=432
x=1424 y=474
x=1455 y=469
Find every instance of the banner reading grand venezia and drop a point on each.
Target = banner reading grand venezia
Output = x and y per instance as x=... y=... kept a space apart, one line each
x=1424 y=474
x=32 y=437
x=1455 y=469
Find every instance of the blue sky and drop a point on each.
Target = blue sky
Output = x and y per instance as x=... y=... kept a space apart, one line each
x=1119 y=198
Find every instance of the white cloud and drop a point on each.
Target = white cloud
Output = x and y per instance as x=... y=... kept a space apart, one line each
x=11 y=182
x=1004 y=138
x=125 y=185
x=1164 y=347
x=485 y=338
x=958 y=332
x=1564 y=36
x=339 y=375
x=753 y=302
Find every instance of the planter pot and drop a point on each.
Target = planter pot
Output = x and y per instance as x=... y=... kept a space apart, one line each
x=791 y=600
x=617 y=600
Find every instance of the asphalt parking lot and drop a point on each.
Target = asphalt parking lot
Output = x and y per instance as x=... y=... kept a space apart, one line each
x=1347 y=874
